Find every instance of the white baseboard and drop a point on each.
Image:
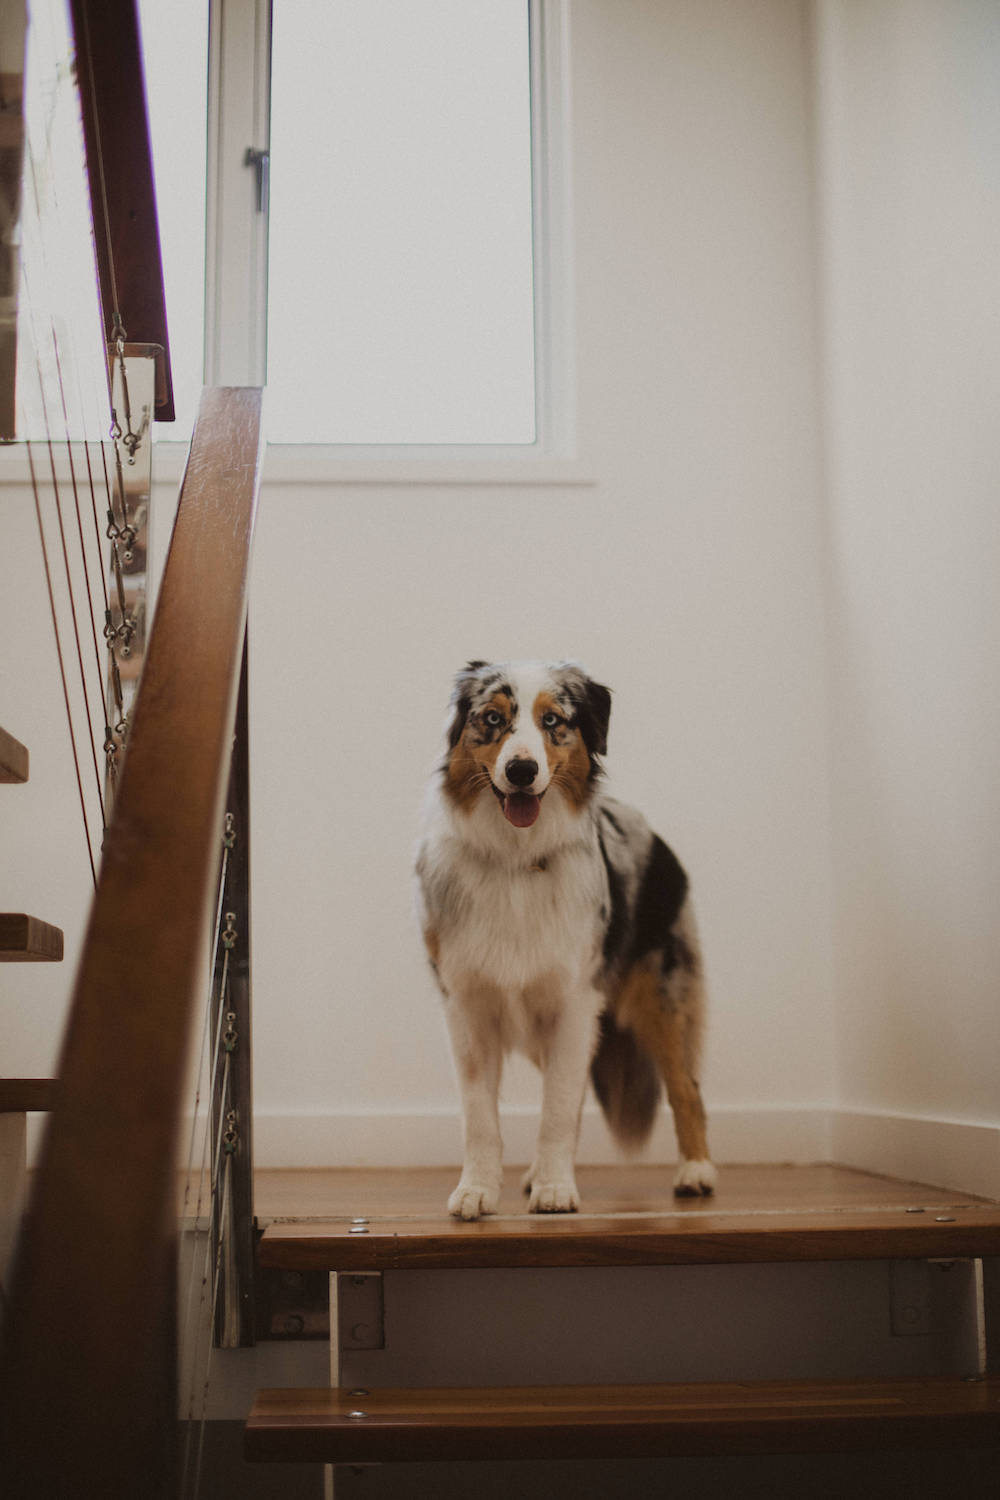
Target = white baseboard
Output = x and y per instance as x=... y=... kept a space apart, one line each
x=942 y=1153
x=433 y=1137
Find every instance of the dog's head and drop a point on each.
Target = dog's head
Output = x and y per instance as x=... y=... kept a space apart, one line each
x=522 y=730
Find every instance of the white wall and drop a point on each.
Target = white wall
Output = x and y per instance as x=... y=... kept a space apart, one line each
x=687 y=575
x=910 y=191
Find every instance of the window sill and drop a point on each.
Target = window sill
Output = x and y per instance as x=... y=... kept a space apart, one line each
x=293 y=464
x=309 y=464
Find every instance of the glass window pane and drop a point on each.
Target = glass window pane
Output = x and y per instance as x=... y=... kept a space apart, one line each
x=400 y=263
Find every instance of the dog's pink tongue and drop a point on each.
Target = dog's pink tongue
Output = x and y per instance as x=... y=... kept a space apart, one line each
x=521 y=808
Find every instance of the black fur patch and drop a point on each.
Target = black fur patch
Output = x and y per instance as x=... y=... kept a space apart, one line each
x=662 y=892
x=590 y=706
x=616 y=930
x=593 y=717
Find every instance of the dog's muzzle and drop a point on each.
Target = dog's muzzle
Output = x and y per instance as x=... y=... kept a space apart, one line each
x=520 y=807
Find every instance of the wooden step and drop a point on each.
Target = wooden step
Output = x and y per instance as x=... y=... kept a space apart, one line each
x=396 y=1220
x=27 y=1095
x=26 y=939
x=13 y=758
x=629 y=1421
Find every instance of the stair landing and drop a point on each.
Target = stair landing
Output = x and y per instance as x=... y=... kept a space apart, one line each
x=616 y=1422
x=396 y=1219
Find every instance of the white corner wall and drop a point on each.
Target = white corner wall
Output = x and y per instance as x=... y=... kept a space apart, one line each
x=687 y=574
x=909 y=131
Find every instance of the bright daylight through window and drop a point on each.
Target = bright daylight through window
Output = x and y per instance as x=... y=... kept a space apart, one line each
x=400 y=296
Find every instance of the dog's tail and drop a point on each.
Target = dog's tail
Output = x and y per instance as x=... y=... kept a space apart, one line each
x=626 y=1083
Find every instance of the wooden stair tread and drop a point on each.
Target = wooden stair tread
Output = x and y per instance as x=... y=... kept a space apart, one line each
x=760 y=1214
x=635 y=1421
x=13 y=758
x=26 y=1095
x=25 y=939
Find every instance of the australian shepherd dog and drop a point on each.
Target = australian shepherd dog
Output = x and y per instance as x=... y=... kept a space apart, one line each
x=559 y=925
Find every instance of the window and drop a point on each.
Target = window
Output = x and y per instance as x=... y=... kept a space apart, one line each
x=390 y=273
x=400 y=292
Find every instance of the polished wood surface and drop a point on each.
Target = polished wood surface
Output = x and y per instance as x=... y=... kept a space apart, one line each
x=13 y=758
x=628 y=1217
x=26 y=1095
x=25 y=940
x=89 y=1343
x=645 y=1421
x=120 y=168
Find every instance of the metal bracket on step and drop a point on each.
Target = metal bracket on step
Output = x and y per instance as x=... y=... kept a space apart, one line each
x=292 y=1305
x=991 y=1315
x=954 y=1302
x=296 y=1305
x=362 y=1310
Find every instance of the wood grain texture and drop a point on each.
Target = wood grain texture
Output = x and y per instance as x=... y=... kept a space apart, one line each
x=645 y=1421
x=26 y=1095
x=93 y=1290
x=13 y=758
x=629 y=1217
x=25 y=939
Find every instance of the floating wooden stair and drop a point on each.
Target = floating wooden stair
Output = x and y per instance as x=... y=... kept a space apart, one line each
x=25 y=939
x=13 y=758
x=395 y=1220
x=640 y=1421
x=26 y=1095
x=837 y=1224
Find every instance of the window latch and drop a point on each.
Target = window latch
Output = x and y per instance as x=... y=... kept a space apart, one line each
x=261 y=162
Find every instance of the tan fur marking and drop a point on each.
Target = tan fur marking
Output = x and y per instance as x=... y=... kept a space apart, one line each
x=483 y=1007
x=569 y=763
x=668 y=1026
x=433 y=945
x=470 y=763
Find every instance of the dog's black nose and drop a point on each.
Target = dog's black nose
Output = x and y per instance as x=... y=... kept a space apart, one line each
x=521 y=772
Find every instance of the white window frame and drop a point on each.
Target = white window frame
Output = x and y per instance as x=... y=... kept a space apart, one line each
x=236 y=284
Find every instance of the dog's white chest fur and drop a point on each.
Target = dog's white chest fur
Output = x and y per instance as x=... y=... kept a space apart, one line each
x=519 y=923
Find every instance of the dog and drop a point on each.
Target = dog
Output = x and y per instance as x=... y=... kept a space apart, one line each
x=559 y=925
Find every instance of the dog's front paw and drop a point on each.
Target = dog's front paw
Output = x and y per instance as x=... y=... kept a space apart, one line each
x=471 y=1200
x=694 y=1178
x=560 y=1197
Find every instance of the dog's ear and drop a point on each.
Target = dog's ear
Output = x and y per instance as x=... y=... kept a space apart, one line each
x=461 y=700
x=593 y=714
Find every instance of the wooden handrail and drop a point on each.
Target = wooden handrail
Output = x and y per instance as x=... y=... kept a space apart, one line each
x=88 y=1363
x=110 y=77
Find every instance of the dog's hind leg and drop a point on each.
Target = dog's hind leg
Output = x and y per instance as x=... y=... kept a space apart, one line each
x=473 y=1022
x=665 y=1011
x=695 y=1172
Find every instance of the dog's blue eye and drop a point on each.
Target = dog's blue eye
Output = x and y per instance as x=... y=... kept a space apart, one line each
x=549 y=721
x=492 y=718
